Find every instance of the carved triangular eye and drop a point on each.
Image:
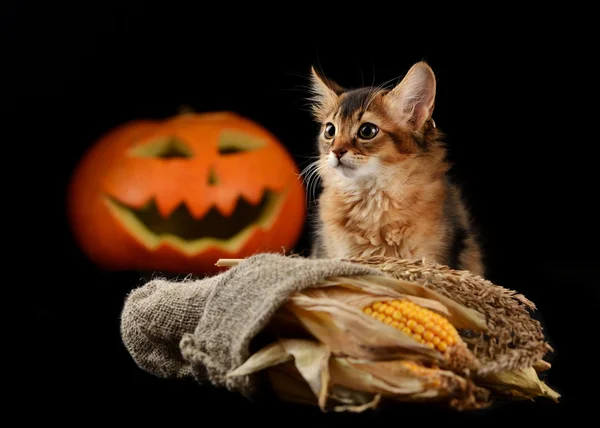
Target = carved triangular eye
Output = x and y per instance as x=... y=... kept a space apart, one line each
x=163 y=148
x=235 y=142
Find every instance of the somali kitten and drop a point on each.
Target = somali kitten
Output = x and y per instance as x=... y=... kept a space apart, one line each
x=383 y=168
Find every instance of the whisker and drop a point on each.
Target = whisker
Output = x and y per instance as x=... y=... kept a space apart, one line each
x=375 y=91
x=313 y=164
x=309 y=184
x=311 y=176
x=373 y=156
x=372 y=90
x=373 y=71
x=316 y=179
x=315 y=157
x=305 y=173
x=306 y=160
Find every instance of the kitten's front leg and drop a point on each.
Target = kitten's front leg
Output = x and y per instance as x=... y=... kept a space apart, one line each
x=317 y=250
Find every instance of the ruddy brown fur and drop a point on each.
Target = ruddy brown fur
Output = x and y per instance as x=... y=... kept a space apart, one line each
x=386 y=191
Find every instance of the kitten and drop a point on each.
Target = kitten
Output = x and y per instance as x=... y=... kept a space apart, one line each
x=382 y=163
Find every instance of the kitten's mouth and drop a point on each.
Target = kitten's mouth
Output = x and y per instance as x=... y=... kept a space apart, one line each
x=343 y=165
x=347 y=170
x=346 y=167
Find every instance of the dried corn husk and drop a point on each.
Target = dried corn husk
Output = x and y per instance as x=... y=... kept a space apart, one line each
x=523 y=383
x=327 y=352
x=513 y=339
x=355 y=384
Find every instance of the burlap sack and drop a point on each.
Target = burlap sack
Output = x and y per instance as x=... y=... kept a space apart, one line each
x=203 y=328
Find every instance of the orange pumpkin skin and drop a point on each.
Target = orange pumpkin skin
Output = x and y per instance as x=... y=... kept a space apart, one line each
x=111 y=171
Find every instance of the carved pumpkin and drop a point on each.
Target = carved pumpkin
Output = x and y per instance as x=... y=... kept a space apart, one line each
x=177 y=195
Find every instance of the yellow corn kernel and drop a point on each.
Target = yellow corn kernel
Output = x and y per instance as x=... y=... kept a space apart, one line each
x=423 y=325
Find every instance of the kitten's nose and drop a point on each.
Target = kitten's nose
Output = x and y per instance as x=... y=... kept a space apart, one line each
x=339 y=152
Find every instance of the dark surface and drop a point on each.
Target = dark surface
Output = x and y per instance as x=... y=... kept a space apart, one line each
x=511 y=98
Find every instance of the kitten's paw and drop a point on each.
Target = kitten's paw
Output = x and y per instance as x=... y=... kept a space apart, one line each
x=375 y=240
x=361 y=240
x=393 y=237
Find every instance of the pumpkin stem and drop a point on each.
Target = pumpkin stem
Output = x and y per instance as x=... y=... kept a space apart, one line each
x=185 y=109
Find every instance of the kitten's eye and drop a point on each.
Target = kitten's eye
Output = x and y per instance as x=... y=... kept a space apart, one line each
x=367 y=131
x=329 y=131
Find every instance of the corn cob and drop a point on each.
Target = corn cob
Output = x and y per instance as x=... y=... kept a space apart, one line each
x=423 y=325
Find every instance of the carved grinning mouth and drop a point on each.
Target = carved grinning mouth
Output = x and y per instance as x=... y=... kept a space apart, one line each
x=192 y=235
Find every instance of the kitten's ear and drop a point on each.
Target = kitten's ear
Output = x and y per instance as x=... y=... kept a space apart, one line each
x=325 y=93
x=412 y=100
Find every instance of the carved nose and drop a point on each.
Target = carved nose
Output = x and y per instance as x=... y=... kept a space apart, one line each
x=339 y=152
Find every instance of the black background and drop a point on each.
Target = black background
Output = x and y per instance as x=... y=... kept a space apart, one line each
x=514 y=91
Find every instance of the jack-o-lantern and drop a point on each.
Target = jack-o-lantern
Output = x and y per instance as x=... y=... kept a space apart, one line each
x=177 y=195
